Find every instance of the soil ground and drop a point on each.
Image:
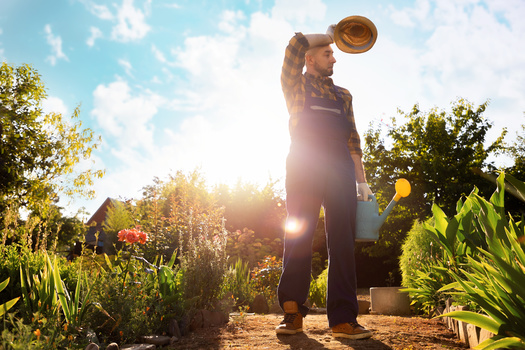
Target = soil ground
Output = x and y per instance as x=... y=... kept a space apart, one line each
x=258 y=332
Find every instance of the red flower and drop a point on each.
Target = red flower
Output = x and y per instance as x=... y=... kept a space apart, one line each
x=132 y=235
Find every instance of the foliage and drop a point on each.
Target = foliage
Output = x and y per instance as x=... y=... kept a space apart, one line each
x=237 y=282
x=128 y=306
x=202 y=257
x=419 y=249
x=438 y=153
x=486 y=253
x=246 y=205
x=517 y=151
x=265 y=277
x=246 y=246
x=39 y=152
x=423 y=269
x=319 y=288
x=12 y=258
x=117 y=218
x=7 y=305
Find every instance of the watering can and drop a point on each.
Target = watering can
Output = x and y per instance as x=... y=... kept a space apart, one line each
x=368 y=220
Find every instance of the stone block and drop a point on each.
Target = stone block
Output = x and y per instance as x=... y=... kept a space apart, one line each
x=139 y=347
x=260 y=305
x=364 y=307
x=389 y=301
x=155 y=339
x=484 y=335
x=473 y=335
x=462 y=332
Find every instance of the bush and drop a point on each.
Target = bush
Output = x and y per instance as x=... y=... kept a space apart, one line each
x=203 y=259
x=237 y=282
x=318 y=289
x=265 y=278
x=421 y=264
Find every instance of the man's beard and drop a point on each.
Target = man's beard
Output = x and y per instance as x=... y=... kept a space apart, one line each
x=324 y=72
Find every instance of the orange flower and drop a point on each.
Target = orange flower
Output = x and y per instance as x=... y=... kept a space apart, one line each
x=132 y=235
x=38 y=334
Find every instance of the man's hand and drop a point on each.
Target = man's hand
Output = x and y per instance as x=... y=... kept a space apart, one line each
x=363 y=191
x=330 y=31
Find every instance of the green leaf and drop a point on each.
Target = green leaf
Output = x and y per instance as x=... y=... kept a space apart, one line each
x=500 y=342
x=61 y=292
x=6 y=306
x=476 y=319
x=4 y=284
x=518 y=185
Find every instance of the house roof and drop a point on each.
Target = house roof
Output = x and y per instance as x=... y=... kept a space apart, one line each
x=95 y=223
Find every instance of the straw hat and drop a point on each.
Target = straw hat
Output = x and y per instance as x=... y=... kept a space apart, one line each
x=355 y=34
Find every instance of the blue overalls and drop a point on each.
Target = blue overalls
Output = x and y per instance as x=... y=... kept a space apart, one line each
x=320 y=171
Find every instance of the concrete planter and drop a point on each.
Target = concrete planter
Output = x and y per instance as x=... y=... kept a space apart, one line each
x=389 y=301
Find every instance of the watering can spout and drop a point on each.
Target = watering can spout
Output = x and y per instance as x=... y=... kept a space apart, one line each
x=368 y=220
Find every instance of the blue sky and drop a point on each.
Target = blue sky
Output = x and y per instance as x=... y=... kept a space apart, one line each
x=175 y=85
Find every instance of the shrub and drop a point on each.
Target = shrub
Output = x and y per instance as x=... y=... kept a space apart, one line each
x=265 y=278
x=318 y=289
x=422 y=264
x=237 y=282
x=202 y=258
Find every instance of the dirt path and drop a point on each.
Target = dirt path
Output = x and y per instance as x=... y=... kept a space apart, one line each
x=257 y=332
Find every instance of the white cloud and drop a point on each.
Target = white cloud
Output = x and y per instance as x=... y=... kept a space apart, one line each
x=411 y=17
x=124 y=118
x=229 y=21
x=299 y=10
x=56 y=46
x=131 y=22
x=54 y=105
x=101 y=11
x=173 y=6
x=127 y=66
x=95 y=33
x=158 y=54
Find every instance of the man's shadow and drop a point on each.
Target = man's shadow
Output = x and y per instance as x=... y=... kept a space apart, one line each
x=302 y=341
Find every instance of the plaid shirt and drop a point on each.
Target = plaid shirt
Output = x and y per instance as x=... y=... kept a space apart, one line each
x=293 y=83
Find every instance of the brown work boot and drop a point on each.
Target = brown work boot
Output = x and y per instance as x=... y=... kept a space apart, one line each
x=293 y=320
x=350 y=331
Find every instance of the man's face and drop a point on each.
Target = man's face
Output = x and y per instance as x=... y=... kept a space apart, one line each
x=323 y=61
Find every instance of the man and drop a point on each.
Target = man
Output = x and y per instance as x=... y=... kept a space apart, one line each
x=322 y=168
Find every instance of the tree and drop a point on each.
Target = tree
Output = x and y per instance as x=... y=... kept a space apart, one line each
x=248 y=206
x=516 y=150
x=39 y=152
x=118 y=218
x=440 y=153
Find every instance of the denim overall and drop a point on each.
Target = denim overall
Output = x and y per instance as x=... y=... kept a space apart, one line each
x=320 y=171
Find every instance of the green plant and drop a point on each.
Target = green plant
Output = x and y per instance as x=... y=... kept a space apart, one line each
x=38 y=291
x=422 y=265
x=126 y=308
x=74 y=308
x=318 y=289
x=265 y=277
x=237 y=282
x=492 y=276
x=8 y=305
x=202 y=258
